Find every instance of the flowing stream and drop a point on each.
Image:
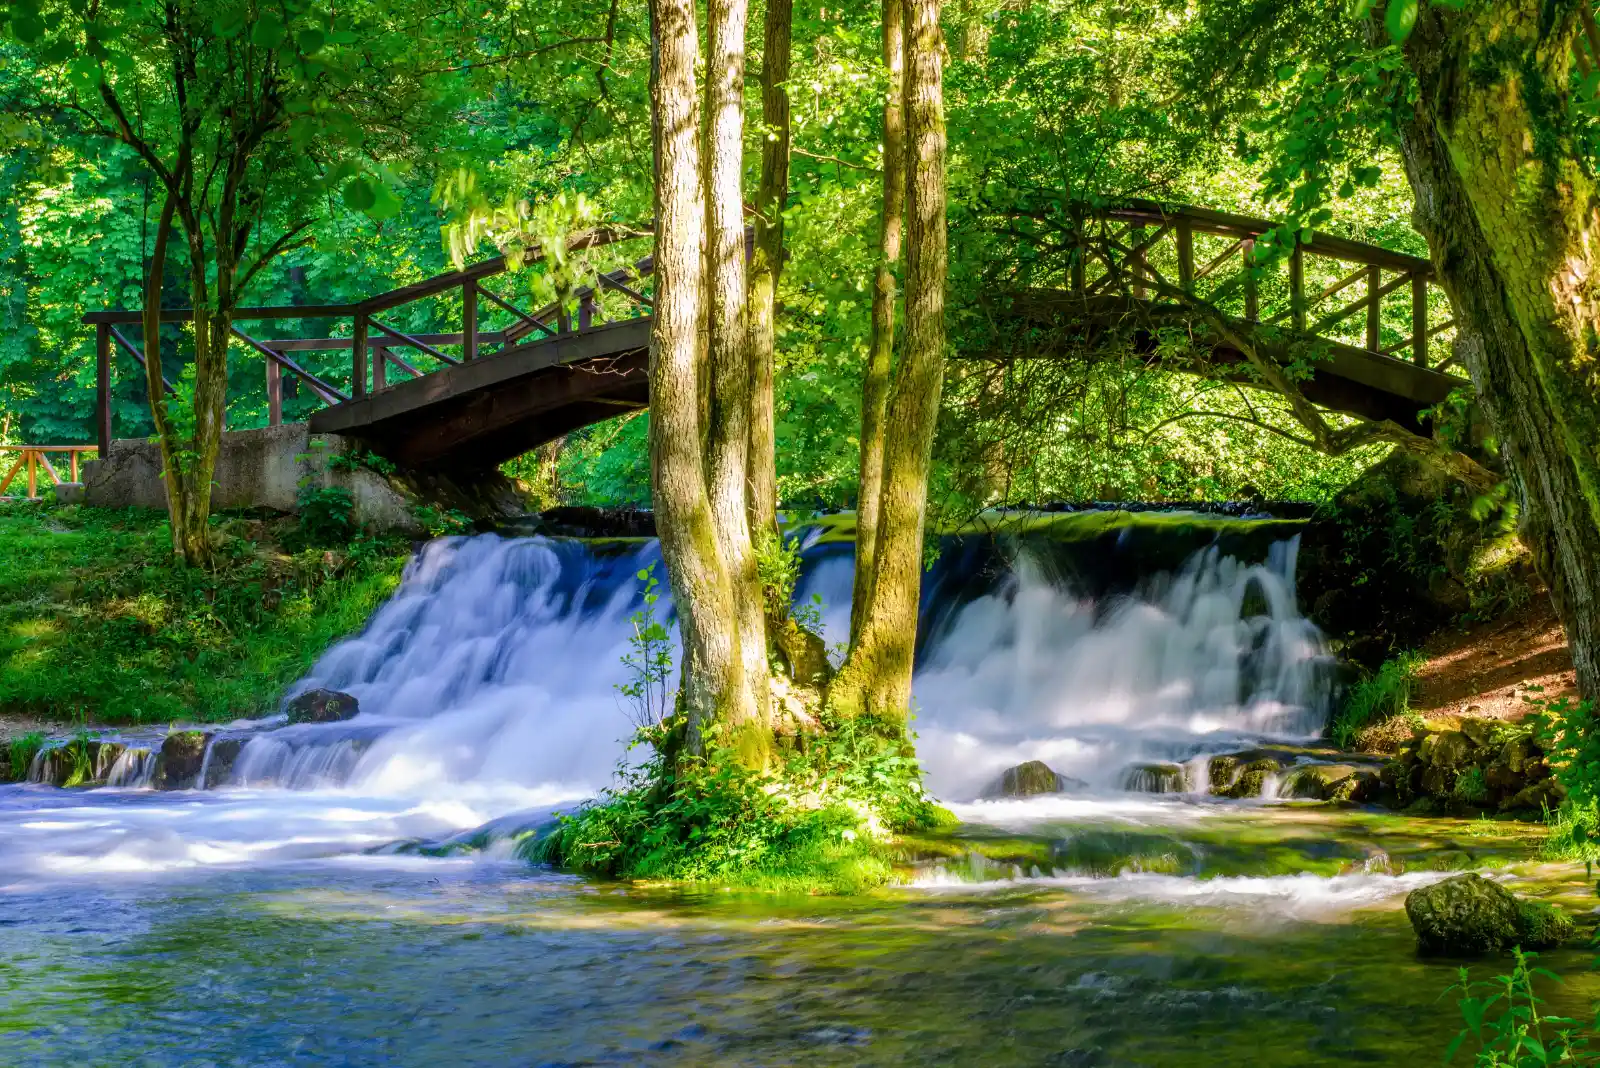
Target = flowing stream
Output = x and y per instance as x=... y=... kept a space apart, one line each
x=344 y=894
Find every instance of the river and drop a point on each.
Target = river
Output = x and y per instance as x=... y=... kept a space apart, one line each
x=347 y=895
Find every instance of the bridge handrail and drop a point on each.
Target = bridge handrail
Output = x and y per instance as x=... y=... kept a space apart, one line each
x=361 y=342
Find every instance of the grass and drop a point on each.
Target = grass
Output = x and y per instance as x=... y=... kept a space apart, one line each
x=97 y=625
x=1384 y=695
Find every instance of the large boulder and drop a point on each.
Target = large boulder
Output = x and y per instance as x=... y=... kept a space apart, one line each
x=1468 y=916
x=1029 y=779
x=322 y=706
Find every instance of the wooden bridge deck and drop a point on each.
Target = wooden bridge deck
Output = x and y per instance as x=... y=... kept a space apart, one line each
x=555 y=372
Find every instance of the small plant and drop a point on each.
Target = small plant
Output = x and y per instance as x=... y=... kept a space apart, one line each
x=327 y=514
x=1503 y=1017
x=81 y=766
x=1471 y=787
x=648 y=660
x=356 y=458
x=21 y=751
x=441 y=523
x=1570 y=736
x=778 y=568
x=1574 y=832
x=1384 y=695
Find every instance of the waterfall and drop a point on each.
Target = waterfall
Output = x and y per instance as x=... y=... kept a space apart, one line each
x=494 y=671
x=1184 y=664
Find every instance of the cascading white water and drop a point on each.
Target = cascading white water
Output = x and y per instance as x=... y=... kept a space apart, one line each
x=488 y=687
x=1191 y=663
x=495 y=665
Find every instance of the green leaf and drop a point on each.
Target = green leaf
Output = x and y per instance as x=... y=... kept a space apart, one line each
x=1400 y=17
x=1360 y=9
x=268 y=32
x=310 y=40
x=359 y=194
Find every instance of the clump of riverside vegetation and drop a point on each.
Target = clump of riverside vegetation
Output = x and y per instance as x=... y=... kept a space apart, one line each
x=1382 y=696
x=97 y=624
x=820 y=816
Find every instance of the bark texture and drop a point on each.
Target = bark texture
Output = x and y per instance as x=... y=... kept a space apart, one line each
x=876 y=680
x=880 y=354
x=1512 y=221
x=728 y=427
x=772 y=196
x=713 y=674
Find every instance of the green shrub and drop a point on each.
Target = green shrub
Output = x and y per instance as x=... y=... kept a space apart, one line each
x=1570 y=736
x=1574 y=831
x=821 y=820
x=1471 y=787
x=327 y=514
x=1387 y=693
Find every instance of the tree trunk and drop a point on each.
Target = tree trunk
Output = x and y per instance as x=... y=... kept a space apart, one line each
x=1509 y=212
x=876 y=680
x=172 y=449
x=772 y=196
x=880 y=355
x=712 y=678
x=728 y=430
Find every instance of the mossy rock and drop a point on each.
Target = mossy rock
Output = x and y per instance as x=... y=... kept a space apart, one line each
x=322 y=706
x=1029 y=779
x=1468 y=915
x=1156 y=779
x=1251 y=781
x=183 y=754
x=1543 y=926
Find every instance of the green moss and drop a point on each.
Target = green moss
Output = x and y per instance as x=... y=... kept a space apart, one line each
x=1542 y=926
x=96 y=622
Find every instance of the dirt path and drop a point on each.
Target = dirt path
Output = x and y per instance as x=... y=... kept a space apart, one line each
x=1487 y=669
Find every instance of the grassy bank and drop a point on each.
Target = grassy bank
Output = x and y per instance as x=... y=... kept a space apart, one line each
x=97 y=626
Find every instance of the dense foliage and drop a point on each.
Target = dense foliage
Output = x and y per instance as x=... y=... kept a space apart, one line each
x=1047 y=103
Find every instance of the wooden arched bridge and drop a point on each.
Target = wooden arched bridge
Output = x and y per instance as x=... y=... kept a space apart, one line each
x=469 y=400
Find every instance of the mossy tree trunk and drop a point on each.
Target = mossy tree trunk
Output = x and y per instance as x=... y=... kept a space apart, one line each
x=772 y=196
x=712 y=680
x=729 y=419
x=1511 y=214
x=880 y=354
x=875 y=681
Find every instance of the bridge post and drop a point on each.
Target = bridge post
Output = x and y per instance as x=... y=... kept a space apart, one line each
x=274 y=393
x=1252 y=296
x=358 y=358
x=1374 y=306
x=586 y=311
x=102 y=387
x=1185 y=255
x=1419 y=321
x=380 y=367
x=469 y=321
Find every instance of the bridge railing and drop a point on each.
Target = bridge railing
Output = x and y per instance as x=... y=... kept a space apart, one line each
x=1398 y=311
x=374 y=335
x=32 y=458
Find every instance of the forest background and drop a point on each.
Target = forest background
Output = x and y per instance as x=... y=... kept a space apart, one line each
x=1046 y=99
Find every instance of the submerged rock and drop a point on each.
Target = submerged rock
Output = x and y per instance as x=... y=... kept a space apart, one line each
x=1030 y=779
x=322 y=706
x=1156 y=779
x=1330 y=782
x=1467 y=915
